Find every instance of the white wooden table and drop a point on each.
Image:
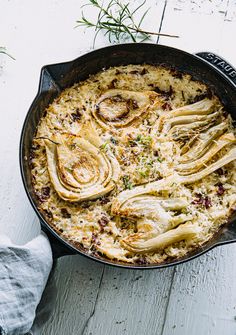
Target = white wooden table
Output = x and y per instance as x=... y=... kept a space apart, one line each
x=197 y=298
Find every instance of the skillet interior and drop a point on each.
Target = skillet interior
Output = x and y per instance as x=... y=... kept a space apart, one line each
x=57 y=77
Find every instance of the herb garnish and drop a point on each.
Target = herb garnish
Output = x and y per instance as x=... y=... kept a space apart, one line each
x=143 y=140
x=127 y=183
x=117 y=21
x=3 y=50
x=104 y=146
x=145 y=171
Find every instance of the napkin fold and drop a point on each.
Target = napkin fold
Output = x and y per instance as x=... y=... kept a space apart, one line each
x=24 y=272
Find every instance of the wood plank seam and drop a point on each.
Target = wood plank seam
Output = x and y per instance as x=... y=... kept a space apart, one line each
x=168 y=301
x=162 y=18
x=95 y=304
x=226 y=12
x=100 y=283
x=174 y=270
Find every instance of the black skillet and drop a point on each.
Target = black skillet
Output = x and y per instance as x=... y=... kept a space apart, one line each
x=206 y=67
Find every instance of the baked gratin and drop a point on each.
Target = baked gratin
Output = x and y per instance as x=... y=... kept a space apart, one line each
x=136 y=163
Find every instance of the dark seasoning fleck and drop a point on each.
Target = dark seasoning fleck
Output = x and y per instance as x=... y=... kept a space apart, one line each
x=220 y=189
x=202 y=200
x=76 y=116
x=44 y=194
x=103 y=221
x=65 y=214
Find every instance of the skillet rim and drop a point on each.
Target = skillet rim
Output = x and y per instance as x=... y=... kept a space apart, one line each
x=68 y=247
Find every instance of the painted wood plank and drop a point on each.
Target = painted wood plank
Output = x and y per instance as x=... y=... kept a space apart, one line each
x=76 y=296
x=35 y=33
x=227 y=39
x=130 y=302
x=77 y=282
x=203 y=294
x=41 y=33
x=198 y=23
x=121 y=296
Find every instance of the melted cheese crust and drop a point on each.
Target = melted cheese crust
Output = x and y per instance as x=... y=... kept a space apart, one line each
x=143 y=158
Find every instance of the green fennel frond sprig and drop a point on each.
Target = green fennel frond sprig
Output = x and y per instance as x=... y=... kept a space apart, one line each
x=117 y=21
x=3 y=50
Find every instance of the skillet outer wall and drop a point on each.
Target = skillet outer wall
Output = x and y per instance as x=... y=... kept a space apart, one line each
x=56 y=77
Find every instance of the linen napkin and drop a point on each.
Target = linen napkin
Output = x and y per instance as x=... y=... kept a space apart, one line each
x=24 y=272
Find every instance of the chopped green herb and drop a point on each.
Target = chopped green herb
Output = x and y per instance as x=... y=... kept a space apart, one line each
x=141 y=139
x=138 y=138
x=145 y=172
x=150 y=162
x=104 y=146
x=127 y=183
x=69 y=169
x=146 y=161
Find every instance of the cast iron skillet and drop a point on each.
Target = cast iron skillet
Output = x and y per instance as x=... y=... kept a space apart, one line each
x=204 y=66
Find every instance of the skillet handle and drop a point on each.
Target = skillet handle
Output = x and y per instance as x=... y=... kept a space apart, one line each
x=222 y=65
x=58 y=248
